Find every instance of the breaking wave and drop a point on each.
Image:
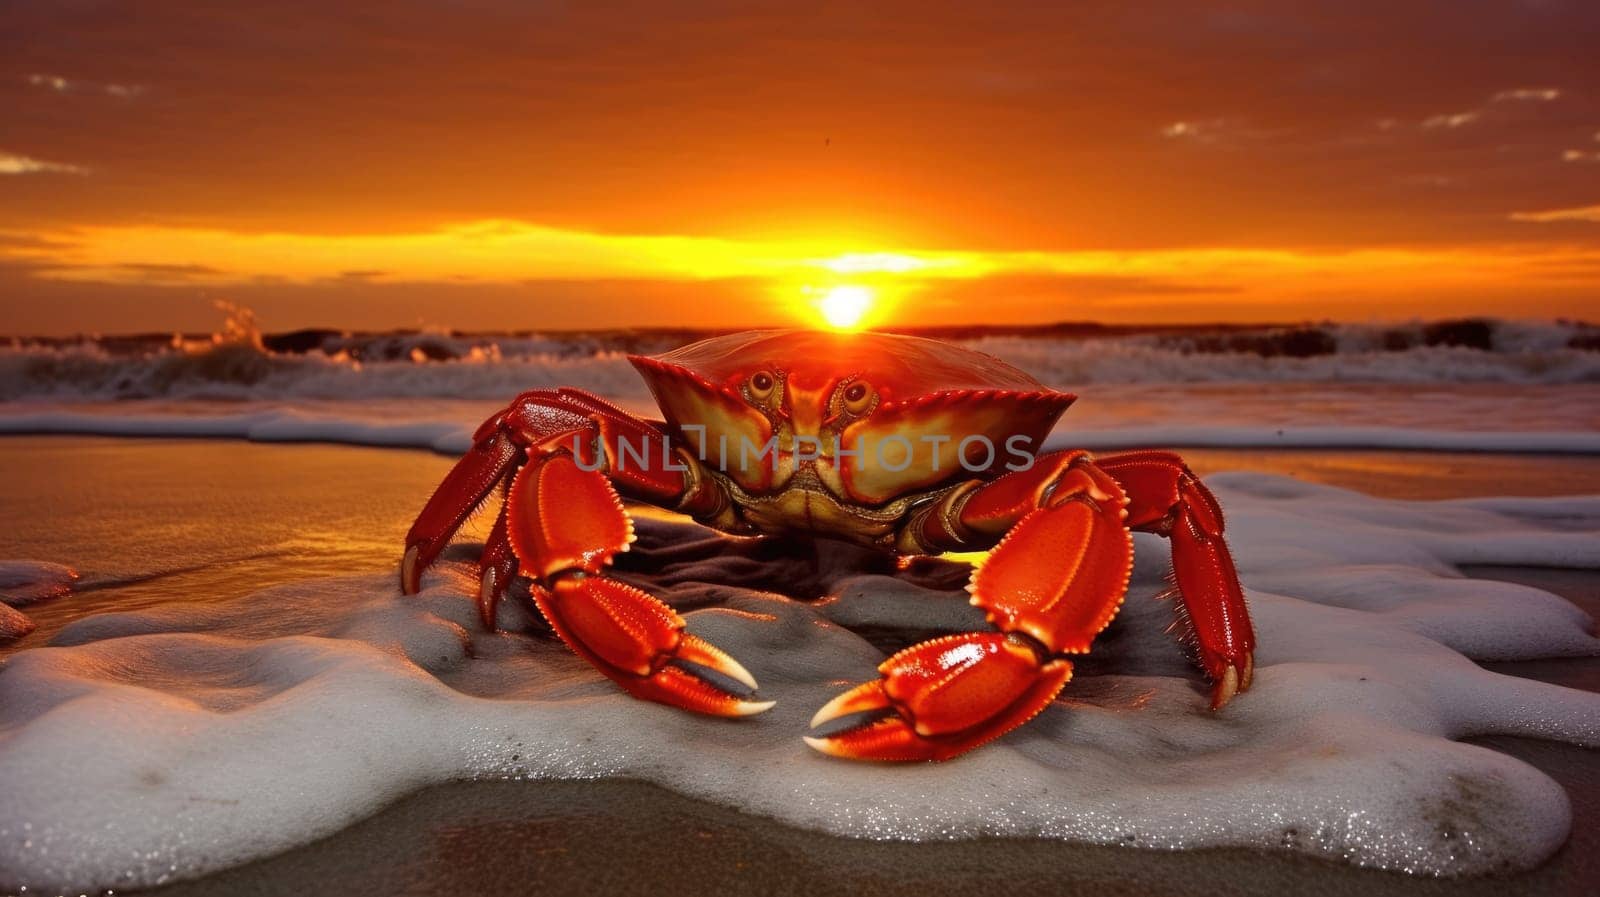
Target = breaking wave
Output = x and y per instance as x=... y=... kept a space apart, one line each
x=240 y=362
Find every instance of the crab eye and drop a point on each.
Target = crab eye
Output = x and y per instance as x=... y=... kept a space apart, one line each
x=761 y=385
x=857 y=397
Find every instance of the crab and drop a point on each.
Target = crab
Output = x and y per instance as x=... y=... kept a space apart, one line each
x=908 y=445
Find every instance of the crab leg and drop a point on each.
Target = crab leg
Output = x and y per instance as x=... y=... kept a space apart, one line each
x=498 y=448
x=497 y=566
x=562 y=522
x=482 y=468
x=1053 y=582
x=1165 y=497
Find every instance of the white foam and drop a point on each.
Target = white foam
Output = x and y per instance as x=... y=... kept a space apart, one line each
x=24 y=582
x=14 y=624
x=167 y=743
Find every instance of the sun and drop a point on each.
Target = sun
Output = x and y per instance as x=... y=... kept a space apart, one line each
x=844 y=307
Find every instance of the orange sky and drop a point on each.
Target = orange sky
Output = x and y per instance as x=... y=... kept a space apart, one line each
x=504 y=164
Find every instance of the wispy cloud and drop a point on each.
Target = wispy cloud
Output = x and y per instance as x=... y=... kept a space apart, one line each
x=1527 y=95
x=60 y=84
x=168 y=272
x=1193 y=130
x=1216 y=130
x=50 y=82
x=1573 y=155
x=1582 y=213
x=1450 y=120
x=12 y=163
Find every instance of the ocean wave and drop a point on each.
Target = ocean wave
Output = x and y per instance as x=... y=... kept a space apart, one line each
x=1465 y=351
x=241 y=363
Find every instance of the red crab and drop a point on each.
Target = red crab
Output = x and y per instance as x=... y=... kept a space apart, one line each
x=907 y=445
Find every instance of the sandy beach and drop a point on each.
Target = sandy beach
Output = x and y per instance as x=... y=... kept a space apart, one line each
x=226 y=520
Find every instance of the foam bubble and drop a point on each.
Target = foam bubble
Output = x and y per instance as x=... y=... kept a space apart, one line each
x=162 y=744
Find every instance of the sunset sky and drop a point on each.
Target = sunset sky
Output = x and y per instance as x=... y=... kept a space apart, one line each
x=496 y=164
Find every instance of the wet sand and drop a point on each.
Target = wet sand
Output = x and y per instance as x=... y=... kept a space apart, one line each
x=223 y=519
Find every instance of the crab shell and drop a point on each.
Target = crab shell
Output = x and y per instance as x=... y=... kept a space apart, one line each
x=932 y=413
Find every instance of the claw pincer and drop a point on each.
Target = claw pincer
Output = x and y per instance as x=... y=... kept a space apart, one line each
x=640 y=644
x=1052 y=583
x=631 y=637
x=943 y=698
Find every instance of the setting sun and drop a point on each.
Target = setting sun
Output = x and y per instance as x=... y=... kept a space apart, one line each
x=844 y=307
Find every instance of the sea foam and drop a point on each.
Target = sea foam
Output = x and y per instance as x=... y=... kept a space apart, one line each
x=24 y=582
x=149 y=746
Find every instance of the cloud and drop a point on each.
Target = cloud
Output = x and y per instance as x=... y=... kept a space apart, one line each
x=1218 y=130
x=11 y=163
x=21 y=244
x=1026 y=287
x=1527 y=95
x=59 y=84
x=164 y=272
x=50 y=82
x=1582 y=213
x=1182 y=129
x=1450 y=120
x=1515 y=95
x=1573 y=155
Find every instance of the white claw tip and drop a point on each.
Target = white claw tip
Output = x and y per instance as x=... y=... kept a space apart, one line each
x=823 y=745
x=1226 y=688
x=736 y=671
x=408 y=572
x=832 y=710
x=751 y=708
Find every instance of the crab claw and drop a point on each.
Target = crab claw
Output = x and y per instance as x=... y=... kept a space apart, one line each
x=942 y=698
x=640 y=644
